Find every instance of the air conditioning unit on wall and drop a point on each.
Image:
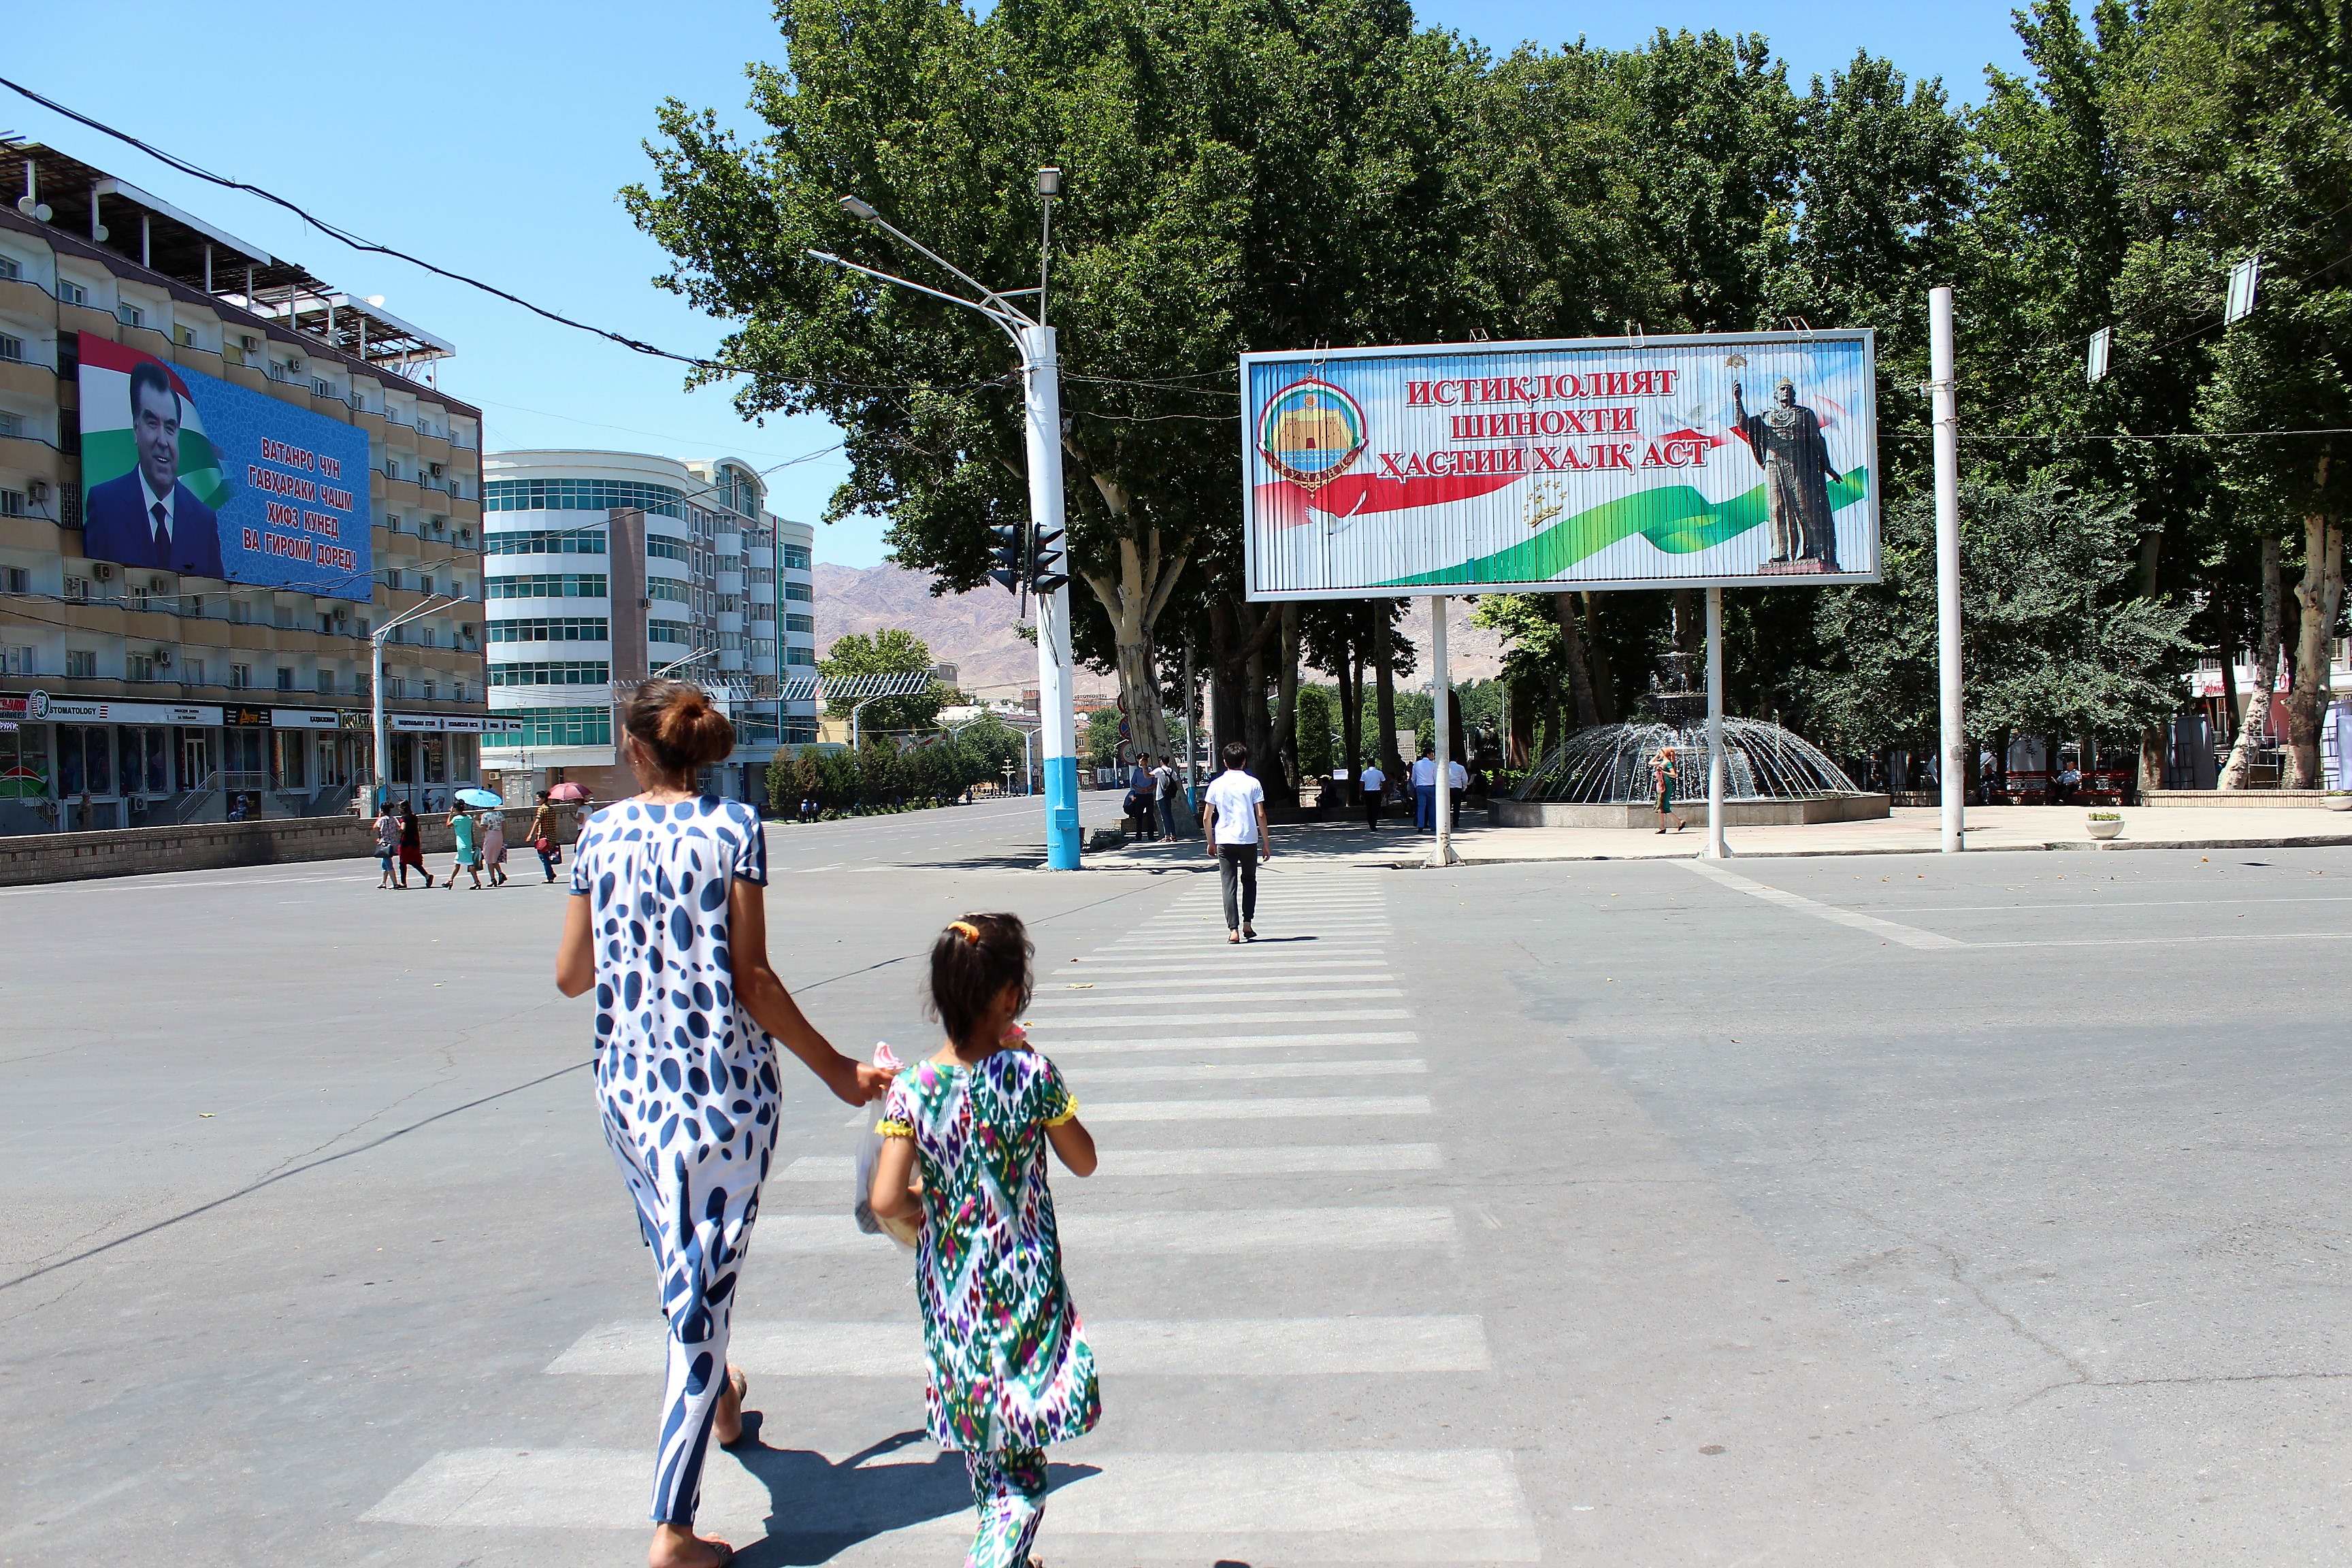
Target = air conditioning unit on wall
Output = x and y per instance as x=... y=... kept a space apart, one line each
x=102 y=570
x=162 y=659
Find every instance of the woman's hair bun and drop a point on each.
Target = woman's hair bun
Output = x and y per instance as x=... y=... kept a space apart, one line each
x=675 y=721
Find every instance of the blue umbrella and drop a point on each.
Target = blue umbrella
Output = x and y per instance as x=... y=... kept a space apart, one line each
x=480 y=797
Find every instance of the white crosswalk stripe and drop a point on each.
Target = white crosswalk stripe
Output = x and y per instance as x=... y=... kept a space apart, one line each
x=1164 y=1018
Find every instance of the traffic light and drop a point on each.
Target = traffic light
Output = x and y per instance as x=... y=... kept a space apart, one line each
x=1006 y=554
x=1045 y=563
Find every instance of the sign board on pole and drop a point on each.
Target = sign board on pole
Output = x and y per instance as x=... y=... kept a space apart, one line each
x=1661 y=462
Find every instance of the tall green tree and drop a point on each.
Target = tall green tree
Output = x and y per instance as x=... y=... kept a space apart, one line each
x=890 y=651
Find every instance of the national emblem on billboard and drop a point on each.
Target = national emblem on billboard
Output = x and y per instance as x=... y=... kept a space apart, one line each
x=1590 y=463
x=1311 y=432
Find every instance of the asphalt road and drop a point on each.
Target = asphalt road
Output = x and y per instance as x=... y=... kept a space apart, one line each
x=1841 y=1211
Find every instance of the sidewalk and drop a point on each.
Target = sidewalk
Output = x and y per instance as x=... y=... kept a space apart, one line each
x=1911 y=830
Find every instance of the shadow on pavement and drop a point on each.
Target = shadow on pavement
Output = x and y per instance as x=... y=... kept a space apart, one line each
x=818 y=1509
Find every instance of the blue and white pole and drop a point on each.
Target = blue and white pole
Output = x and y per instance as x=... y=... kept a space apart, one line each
x=1057 y=722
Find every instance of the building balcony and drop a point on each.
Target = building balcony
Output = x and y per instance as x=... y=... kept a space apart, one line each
x=730 y=580
x=730 y=621
x=33 y=461
x=760 y=555
x=83 y=319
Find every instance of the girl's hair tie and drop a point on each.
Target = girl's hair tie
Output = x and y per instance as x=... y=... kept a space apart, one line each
x=966 y=930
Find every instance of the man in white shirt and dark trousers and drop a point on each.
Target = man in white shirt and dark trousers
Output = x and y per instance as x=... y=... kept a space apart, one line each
x=1373 y=782
x=1424 y=790
x=1232 y=820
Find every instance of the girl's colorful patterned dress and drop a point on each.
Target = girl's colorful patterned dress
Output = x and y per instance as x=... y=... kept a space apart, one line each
x=1010 y=1368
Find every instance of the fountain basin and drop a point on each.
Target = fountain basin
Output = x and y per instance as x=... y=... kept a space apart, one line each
x=1753 y=812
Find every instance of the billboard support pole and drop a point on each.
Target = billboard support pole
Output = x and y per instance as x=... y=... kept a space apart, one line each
x=376 y=696
x=1717 y=849
x=1952 y=773
x=1441 y=719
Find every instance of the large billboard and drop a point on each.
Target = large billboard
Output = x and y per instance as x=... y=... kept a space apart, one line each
x=184 y=472
x=1592 y=463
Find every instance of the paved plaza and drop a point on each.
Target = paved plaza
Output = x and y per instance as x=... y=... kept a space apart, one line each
x=1854 y=1210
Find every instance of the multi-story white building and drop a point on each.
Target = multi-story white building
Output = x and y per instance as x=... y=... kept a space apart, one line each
x=606 y=568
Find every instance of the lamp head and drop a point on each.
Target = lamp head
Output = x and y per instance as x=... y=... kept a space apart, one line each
x=1049 y=182
x=858 y=210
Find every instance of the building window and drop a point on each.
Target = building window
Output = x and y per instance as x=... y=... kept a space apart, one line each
x=796 y=558
x=16 y=659
x=81 y=664
x=12 y=348
x=674 y=632
x=9 y=269
x=11 y=423
x=195 y=672
x=240 y=676
x=660 y=549
x=580 y=495
x=797 y=731
x=552 y=672
x=675 y=593
x=12 y=503
x=800 y=623
x=559 y=727
x=545 y=541
x=550 y=585
x=139 y=667
x=800 y=656
x=16 y=579
x=565 y=629
x=285 y=678
x=129 y=315
x=71 y=293
x=799 y=592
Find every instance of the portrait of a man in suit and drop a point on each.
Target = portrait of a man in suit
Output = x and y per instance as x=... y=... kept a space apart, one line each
x=147 y=517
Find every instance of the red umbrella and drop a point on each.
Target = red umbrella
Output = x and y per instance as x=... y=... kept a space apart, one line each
x=568 y=790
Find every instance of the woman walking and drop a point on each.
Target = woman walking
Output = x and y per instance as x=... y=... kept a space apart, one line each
x=412 y=846
x=668 y=922
x=461 y=834
x=387 y=843
x=1668 y=774
x=541 y=833
x=1010 y=1367
x=493 y=845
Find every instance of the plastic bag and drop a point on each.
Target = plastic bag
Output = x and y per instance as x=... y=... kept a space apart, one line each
x=870 y=1155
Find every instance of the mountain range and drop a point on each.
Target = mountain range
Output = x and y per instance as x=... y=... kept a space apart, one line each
x=974 y=631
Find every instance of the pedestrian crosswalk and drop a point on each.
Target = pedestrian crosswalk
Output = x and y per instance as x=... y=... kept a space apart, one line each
x=1263 y=1115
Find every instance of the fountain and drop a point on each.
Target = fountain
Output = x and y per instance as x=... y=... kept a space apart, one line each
x=1602 y=777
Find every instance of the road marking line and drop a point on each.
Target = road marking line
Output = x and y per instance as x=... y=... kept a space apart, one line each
x=1148 y=1233
x=1259 y=1107
x=1357 y=1505
x=1275 y=1160
x=1224 y=1347
x=1192 y=966
x=1909 y=936
x=1244 y=1072
x=1046 y=1006
x=1157 y=1020
x=1231 y=1042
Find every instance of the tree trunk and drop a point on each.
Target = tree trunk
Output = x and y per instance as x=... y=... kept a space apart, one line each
x=2320 y=595
x=1231 y=634
x=1286 y=699
x=1350 y=677
x=1132 y=600
x=1580 y=672
x=1604 y=678
x=1520 y=746
x=1384 y=689
x=2266 y=651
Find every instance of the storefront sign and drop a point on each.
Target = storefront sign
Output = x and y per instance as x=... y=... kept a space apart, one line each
x=35 y=705
x=302 y=718
x=415 y=724
x=440 y=723
x=80 y=709
x=258 y=717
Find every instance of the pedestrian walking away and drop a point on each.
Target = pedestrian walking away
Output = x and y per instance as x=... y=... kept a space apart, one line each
x=1164 y=797
x=1667 y=774
x=412 y=846
x=1232 y=820
x=666 y=922
x=493 y=845
x=387 y=843
x=1140 y=787
x=462 y=828
x=542 y=833
x=1457 y=784
x=1010 y=1369
x=1373 y=782
x=1424 y=790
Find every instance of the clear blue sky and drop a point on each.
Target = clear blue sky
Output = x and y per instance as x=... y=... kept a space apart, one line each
x=491 y=136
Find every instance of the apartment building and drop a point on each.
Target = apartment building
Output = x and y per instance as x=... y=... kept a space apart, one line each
x=149 y=682
x=606 y=568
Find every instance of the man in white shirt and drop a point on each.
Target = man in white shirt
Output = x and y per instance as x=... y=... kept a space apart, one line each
x=1424 y=790
x=1457 y=778
x=1232 y=820
x=1374 y=781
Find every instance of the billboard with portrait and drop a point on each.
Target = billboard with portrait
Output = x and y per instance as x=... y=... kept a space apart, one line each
x=184 y=472
x=1747 y=458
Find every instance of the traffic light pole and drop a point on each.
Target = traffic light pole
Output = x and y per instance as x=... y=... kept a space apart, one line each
x=1042 y=379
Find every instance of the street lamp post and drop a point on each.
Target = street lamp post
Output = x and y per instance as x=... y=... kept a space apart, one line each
x=376 y=639
x=1041 y=381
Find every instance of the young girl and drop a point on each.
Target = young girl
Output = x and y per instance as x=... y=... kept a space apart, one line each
x=1010 y=1368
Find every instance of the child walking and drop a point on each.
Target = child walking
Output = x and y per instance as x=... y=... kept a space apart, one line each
x=964 y=1139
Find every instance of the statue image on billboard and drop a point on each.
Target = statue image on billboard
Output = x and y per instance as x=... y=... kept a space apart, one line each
x=1787 y=440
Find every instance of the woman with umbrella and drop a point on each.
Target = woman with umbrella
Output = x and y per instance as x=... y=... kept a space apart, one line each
x=462 y=830
x=494 y=832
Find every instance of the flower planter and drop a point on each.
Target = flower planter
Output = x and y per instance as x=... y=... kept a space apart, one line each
x=2111 y=828
x=2335 y=802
